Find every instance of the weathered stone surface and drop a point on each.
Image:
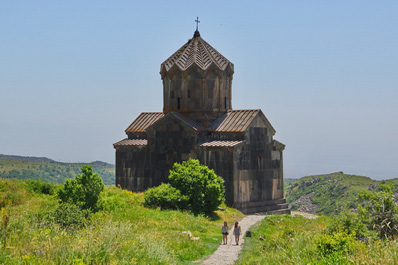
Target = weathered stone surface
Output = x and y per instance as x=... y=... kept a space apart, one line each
x=198 y=122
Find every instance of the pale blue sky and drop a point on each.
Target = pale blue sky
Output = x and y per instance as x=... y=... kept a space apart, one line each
x=74 y=74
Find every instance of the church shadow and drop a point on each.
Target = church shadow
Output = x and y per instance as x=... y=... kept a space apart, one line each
x=213 y=216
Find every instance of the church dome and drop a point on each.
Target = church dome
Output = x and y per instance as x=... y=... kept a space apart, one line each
x=196 y=51
x=197 y=79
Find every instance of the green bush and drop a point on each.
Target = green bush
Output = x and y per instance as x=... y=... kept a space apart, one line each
x=192 y=186
x=379 y=211
x=203 y=188
x=41 y=187
x=69 y=215
x=328 y=244
x=84 y=190
x=111 y=201
x=351 y=224
x=165 y=196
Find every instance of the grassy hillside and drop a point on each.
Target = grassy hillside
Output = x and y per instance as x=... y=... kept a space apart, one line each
x=124 y=232
x=45 y=169
x=298 y=240
x=328 y=193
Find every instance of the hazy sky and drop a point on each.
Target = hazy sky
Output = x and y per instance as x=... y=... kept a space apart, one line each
x=75 y=74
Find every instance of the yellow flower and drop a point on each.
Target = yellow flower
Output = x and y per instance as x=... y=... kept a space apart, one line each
x=79 y=262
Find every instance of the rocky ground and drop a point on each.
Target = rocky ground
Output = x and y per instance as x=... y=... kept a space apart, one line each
x=306 y=205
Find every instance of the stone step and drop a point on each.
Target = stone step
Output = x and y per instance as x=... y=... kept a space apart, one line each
x=280 y=211
x=265 y=208
x=242 y=205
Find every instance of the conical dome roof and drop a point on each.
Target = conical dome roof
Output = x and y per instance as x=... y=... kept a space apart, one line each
x=196 y=51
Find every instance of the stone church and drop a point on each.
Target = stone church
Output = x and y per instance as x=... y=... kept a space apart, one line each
x=198 y=122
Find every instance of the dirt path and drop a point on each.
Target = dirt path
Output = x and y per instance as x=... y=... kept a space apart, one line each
x=307 y=215
x=227 y=254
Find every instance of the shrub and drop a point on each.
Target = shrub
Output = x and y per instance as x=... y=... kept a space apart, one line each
x=84 y=190
x=328 y=244
x=12 y=192
x=41 y=187
x=349 y=223
x=69 y=215
x=379 y=211
x=203 y=188
x=165 y=196
x=111 y=201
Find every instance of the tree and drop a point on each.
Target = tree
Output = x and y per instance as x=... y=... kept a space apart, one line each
x=84 y=190
x=203 y=188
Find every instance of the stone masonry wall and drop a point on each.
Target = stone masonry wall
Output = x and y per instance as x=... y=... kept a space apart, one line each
x=196 y=91
x=256 y=177
x=171 y=142
x=130 y=168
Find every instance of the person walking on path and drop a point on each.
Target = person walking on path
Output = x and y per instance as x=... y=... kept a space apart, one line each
x=224 y=232
x=237 y=232
x=227 y=254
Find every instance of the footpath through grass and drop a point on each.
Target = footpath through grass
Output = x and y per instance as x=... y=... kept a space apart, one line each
x=124 y=232
x=295 y=240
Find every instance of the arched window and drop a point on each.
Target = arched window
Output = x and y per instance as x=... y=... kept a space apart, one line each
x=259 y=162
x=178 y=103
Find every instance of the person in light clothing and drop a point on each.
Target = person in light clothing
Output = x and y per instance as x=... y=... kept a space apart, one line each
x=224 y=232
x=237 y=232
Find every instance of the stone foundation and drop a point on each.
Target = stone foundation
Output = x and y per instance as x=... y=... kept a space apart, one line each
x=278 y=206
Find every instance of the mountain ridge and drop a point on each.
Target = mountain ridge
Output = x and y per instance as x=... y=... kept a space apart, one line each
x=46 y=169
x=46 y=159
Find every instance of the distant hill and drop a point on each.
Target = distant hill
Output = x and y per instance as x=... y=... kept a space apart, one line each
x=27 y=158
x=24 y=167
x=328 y=193
x=287 y=183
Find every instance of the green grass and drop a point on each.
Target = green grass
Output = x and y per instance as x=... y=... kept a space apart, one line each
x=331 y=192
x=293 y=240
x=51 y=171
x=125 y=232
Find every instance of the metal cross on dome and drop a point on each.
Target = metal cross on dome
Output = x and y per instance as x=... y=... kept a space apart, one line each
x=197 y=23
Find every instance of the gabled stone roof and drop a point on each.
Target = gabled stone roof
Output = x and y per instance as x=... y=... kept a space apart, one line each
x=131 y=142
x=231 y=121
x=144 y=120
x=238 y=121
x=178 y=116
x=220 y=143
x=278 y=144
x=196 y=51
x=196 y=126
